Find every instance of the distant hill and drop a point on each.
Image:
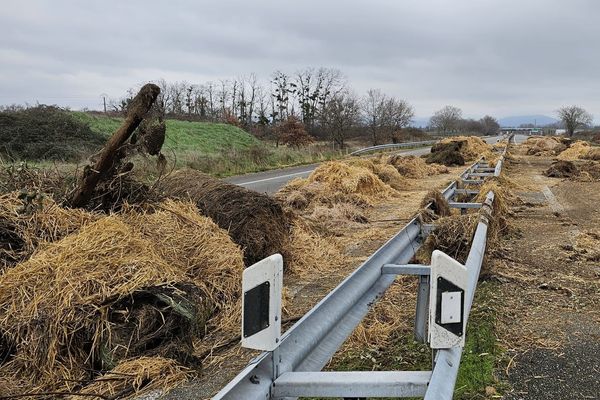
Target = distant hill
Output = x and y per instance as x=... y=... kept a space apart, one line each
x=420 y=122
x=538 y=120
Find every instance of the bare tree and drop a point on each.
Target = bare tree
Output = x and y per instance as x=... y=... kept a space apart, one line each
x=446 y=119
x=340 y=115
x=489 y=125
x=373 y=107
x=400 y=114
x=574 y=117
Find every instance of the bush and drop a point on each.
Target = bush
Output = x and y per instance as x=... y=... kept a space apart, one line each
x=45 y=133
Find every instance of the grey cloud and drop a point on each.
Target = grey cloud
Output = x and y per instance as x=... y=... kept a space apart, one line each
x=489 y=56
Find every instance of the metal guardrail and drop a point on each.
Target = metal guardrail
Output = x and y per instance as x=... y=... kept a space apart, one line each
x=293 y=369
x=392 y=146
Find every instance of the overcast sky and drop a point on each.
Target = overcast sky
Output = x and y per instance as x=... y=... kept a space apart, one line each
x=498 y=57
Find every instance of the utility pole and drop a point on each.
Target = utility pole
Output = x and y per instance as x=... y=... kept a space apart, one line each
x=104 y=102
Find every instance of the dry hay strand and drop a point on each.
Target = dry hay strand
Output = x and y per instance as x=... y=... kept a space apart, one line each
x=342 y=177
x=562 y=169
x=311 y=252
x=384 y=322
x=254 y=221
x=434 y=205
x=452 y=235
x=338 y=214
x=577 y=150
x=415 y=167
x=78 y=302
x=28 y=220
x=135 y=377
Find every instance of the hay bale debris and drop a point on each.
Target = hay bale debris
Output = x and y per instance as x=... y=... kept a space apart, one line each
x=415 y=167
x=349 y=179
x=117 y=288
x=458 y=150
x=254 y=220
x=575 y=151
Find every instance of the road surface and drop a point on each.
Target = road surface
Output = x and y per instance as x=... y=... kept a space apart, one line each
x=271 y=181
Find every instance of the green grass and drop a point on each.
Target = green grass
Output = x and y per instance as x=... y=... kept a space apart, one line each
x=218 y=149
x=482 y=353
x=200 y=137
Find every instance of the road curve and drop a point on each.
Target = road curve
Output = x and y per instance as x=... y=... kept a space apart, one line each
x=271 y=181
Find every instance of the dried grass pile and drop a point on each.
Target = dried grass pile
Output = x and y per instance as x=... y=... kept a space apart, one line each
x=544 y=145
x=453 y=234
x=255 y=221
x=458 y=150
x=592 y=154
x=139 y=284
x=415 y=167
x=338 y=193
x=387 y=173
x=575 y=151
x=28 y=220
x=348 y=179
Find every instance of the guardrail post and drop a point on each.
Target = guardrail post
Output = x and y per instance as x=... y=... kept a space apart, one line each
x=422 y=311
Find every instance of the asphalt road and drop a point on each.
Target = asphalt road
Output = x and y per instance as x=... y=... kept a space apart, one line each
x=271 y=181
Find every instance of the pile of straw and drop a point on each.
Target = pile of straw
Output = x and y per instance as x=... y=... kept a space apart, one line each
x=345 y=178
x=544 y=145
x=254 y=220
x=470 y=147
x=29 y=220
x=577 y=150
x=62 y=310
x=415 y=167
x=387 y=173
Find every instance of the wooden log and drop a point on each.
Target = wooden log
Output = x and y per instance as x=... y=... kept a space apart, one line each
x=110 y=155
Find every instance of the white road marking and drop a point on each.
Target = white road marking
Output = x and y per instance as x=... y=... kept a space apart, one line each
x=274 y=178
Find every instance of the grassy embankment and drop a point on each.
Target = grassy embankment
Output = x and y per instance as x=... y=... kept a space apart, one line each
x=219 y=149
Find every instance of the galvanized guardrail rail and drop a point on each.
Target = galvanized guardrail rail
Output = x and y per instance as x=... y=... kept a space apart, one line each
x=392 y=146
x=293 y=369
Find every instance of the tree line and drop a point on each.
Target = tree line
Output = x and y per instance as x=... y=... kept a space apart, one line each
x=316 y=102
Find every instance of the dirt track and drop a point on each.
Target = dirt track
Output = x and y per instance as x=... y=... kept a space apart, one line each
x=549 y=317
